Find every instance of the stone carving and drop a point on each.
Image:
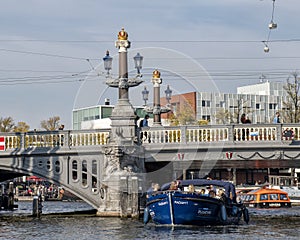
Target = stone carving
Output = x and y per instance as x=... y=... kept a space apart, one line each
x=120 y=159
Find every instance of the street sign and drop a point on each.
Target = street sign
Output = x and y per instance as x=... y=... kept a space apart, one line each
x=2 y=143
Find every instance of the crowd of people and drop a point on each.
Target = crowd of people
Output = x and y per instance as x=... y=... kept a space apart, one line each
x=209 y=191
x=48 y=191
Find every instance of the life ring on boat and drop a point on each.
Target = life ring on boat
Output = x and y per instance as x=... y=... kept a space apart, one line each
x=246 y=215
x=223 y=213
x=146 y=215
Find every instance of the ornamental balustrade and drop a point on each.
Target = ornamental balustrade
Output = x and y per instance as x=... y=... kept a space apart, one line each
x=52 y=139
x=156 y=135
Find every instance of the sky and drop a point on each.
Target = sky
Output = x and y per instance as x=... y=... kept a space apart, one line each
x=51 y=51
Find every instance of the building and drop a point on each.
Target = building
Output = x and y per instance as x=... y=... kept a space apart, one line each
x=259 y=101
x=90 y=114
x=95 y=117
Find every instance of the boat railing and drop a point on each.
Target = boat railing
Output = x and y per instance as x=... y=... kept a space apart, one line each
x=287 y=181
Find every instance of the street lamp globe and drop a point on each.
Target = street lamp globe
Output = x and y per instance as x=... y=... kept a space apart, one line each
x=145 y=93
x=107 y=62
x=138 y=61
x=168 y=93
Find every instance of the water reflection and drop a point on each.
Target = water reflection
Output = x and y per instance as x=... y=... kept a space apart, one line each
x=264 y=224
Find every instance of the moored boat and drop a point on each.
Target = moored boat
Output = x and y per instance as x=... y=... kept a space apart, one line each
x=266 y=197
x=185 y=207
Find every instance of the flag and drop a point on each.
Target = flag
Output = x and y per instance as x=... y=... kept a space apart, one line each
x=2 y=143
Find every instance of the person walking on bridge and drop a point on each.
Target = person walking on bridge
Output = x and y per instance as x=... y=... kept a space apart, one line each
x=277 y=118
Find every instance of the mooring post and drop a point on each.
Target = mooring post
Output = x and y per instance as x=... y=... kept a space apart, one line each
x=37 y=205
x=124 y=196
x=11 y=198
x=134 y=197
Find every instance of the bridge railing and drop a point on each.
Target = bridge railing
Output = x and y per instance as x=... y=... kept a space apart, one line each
x=216 y=133
x=157 y=135
x=51 y=139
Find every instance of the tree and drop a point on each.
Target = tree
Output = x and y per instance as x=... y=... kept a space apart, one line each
x=51 y=124
x=292 y=113
x=186 y=115
x=21 y=127
x=172 y=119
x=6 y=124
x=242 y=107
x=223 y=116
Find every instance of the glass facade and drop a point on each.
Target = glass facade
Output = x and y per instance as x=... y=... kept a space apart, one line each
x=90 y=113
x=95 y=113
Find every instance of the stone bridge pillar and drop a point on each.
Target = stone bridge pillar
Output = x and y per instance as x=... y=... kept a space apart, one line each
x=123 y=158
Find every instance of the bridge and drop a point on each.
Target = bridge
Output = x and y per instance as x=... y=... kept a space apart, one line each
x=76 y=159
x=111 y=168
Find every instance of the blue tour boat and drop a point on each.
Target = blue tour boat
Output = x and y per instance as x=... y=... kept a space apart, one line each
x=183 y=207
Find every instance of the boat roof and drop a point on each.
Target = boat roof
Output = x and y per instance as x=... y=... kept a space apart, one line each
x=267 y=191
x=228 y=186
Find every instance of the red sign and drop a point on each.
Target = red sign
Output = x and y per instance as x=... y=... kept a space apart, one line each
x=228 y=155
x=180 y=156
x=2 y=143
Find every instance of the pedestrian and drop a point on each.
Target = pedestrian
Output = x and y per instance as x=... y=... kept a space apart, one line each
x=136 y=128
x=144 y=122
x=243 y=118
x=247 y=120
x=277 y=118
x=243 y=121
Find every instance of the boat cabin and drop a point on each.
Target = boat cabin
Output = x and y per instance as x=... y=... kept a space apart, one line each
x=267 y=198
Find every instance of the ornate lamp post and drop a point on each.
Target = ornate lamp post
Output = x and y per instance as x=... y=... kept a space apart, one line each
x=168 y=93
x=157 y=110
x=107 y=63
x=145 y=94
x=138 y=62
x=122 y=163
x=123 y=113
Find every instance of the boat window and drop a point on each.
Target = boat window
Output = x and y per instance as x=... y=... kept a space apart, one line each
x=283 y=197
x=249 y=197
x=264 y=197
x=273 y=196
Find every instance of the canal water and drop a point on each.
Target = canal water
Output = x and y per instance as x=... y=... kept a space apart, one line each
x=264 y=224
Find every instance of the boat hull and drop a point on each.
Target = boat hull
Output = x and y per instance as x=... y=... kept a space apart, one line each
x=269 y=205
x=177 y=208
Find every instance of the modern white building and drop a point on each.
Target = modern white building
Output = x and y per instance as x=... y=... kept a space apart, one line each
x=259 y=101
x=264 y=88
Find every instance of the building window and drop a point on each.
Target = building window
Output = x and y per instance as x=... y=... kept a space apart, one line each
x=206 y=117
x=57 y=166
x=257 y=105
x=205 y=103
x=272 y=105
x=94 y=175
x=106 y=112
x=84 y=173
x=74 y=170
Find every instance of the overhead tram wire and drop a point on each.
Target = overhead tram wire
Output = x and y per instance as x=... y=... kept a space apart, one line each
x=217 y=77
x=75 y=77
x=99 y=59
x=153 y=41
x=272 y=26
